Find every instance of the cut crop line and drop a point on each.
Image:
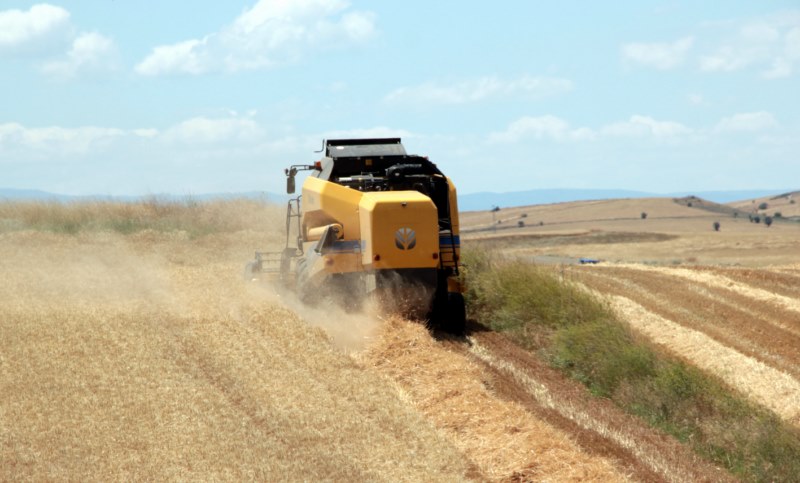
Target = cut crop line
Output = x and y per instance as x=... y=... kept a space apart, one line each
x=725 y=282
x=723 y=333
x=542 y=395
x=765 y=385
x=756 y=316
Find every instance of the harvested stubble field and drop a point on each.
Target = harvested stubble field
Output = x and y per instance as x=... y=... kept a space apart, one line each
x=131 y=348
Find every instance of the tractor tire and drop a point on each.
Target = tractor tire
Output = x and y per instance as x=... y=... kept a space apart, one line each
x=303 y=292
x=251 y=271
x=455 y=320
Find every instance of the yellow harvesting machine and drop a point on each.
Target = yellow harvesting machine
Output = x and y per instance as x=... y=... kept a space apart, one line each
x=373 y=218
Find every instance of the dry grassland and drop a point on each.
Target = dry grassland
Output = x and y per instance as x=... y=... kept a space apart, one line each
x=580 y=212
x=146 y=357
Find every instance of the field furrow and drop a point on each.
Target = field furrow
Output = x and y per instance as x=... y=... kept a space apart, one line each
x=714 y=280
x=782 y=283
x=769 y=334
x=765 y=385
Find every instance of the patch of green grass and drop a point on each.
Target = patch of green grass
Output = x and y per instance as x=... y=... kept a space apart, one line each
x=579 y=334
x=521 y=298
x=601 y=354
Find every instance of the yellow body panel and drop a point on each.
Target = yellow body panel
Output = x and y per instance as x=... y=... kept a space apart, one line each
x=399 y=229
x=325 y=203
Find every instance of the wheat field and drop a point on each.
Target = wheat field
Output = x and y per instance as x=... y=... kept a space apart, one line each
x=145 y=356
x=131 y=348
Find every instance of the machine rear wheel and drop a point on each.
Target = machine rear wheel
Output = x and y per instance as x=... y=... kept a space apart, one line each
x=452 y=314
x=251 y=271
x=301 y=276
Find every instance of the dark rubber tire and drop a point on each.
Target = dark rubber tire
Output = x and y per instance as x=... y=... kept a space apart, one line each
x=303 y=291
x=455 y=320
x=251 y=271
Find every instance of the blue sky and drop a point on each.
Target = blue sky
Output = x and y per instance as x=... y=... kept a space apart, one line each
x=122 y=98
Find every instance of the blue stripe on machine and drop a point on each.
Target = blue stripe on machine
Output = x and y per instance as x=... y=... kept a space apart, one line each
x=346 y=246
x=449 y=240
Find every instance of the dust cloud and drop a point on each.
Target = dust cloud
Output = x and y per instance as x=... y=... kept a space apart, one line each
x=147 y=356
x=349 y=330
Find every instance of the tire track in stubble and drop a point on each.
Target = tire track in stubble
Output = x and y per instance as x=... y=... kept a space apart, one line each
x=595 y=423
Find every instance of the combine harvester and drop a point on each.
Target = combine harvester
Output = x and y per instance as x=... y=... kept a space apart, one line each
x=373 y=220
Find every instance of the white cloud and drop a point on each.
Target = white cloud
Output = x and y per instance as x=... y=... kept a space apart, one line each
x=788 y=54
x=146 y=132
x=541 y=127
x=660 y=55
x=557 y=129
x=46 y=34
x=727 y=59
x=231 y=132
x=476 y=90
x=696 y=99
x=770 y=43
x=747 y=122
x=189 y=57
x=640 y=126
x=269 y=33
x=792 y=44
x=780 y=68
x=760 y=31
x=55 y=139
x=25 y=30
x=203 y=131
x=90 y=52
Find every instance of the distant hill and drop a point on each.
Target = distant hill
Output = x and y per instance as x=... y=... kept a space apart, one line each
x=486 y=200
x=10 y=194
x=785 y=205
